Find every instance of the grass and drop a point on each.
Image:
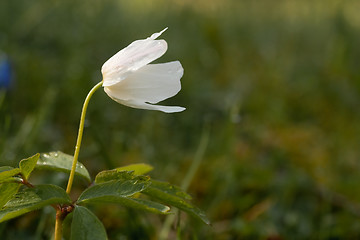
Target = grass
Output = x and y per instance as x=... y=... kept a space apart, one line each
x=276 y=84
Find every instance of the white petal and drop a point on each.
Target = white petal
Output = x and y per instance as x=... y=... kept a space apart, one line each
x=156 y=35
x=143 y=105
x=136 y=55
x=151 y=83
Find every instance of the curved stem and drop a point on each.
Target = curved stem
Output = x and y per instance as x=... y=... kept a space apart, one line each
x=59 y=213
x=80 y=133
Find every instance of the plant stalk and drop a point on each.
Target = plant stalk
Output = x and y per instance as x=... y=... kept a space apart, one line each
x=79 y=138
x=59 y=214
x=58 y=224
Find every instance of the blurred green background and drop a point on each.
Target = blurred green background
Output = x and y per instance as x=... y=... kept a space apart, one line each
x=276 y=84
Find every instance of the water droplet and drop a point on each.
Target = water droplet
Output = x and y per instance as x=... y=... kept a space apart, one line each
x=46 y=155
x=56 y=154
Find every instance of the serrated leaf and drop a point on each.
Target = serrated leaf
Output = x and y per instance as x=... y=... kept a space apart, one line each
x=7 y=191
x=27 y=165
x=138 y=168
x=170 y=189
x=32 y=199
x=86 y=226
x=60 y=161
x=143 y=204
x=110 y=175
x=7 y=172
x=117 y=188
x=168 y=196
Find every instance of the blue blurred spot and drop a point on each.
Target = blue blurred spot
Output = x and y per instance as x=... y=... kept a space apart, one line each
x=5 y=73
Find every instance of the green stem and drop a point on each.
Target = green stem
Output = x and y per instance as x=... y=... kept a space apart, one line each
x=58 y=224
x=59 y=214
x=79 y=138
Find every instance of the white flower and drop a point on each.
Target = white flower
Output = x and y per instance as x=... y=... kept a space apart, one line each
x=129 y=79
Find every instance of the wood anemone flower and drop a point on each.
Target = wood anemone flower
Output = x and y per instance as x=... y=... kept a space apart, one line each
x=129 y=79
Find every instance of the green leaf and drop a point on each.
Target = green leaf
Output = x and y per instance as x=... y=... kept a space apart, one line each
x=7 y=191
x=32 y=199
x=7 y=172
x=86 y=226
x=143 y=204
x=136 y=203
x=138 y=168
x=117 y=188
x=110 y=175
x=27 y=165
x=60 y=161
x=167 y=194
x=170 y=189
x=5 y=168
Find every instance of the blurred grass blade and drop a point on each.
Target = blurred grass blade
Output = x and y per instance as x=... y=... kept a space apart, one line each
x=59 y=161
x=86 y=226
x=117 y=188
x=199 y=155
x=27 y=165
x=32 y=199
